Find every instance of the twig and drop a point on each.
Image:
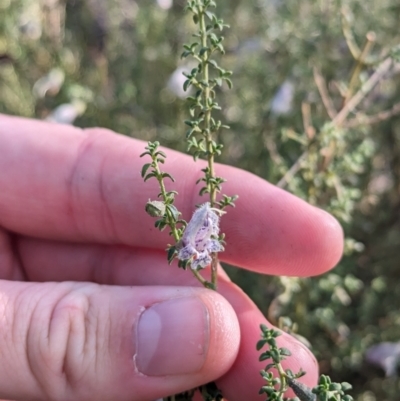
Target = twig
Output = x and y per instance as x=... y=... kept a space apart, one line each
x=350 y=40
x=340 y=118
x=307 y=122
x=326 y=100
x=292 y=171
x=370 y=40
x=270 y=144
x=374 y=119
x=363 y=91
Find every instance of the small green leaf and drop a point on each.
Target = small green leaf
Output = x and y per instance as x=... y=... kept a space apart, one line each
x=270 y=366
x=166 y=175
x=160 y=224
x=145 y=168
x=161 y=153
x=186 y=53
x=335 y=387
x=184 y=264
x=203 y=191
x=346 y=386
x=210 y=15
x=186 y=85
x=174 y=211
x=171 y=254
x=203 y=51
x=264 y=356
x=148 y=176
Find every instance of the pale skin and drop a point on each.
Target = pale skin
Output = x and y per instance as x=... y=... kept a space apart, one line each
x=80 y=262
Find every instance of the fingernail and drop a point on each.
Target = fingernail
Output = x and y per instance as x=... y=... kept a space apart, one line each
x=172 y=337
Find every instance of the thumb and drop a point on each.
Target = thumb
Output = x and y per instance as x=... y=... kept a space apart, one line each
x=82 y=341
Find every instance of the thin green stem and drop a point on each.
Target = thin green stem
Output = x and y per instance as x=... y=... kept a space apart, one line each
x=207 y=131
x=282 y=375
x=171 y=220
x=203 y=281
x=207 y=114
x=370 y=40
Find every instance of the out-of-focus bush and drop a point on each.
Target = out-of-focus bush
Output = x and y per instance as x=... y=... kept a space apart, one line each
x=115 y=63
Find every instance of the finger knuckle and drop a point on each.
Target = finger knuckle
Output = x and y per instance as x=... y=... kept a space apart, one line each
x=66 y=350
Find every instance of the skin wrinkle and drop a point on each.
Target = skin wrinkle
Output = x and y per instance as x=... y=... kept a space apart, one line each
x=8 y=316
x=91 y=331
x=102 y=332
x=109 y=341
x=77 y=180
x=49 y=362
x=36 y=374
x=76 y=316
x=109 y=172
x=73 y=181
x=48 y=346
x=16 y=332
x=107 y=216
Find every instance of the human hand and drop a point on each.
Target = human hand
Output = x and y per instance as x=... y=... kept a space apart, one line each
x=81 y=264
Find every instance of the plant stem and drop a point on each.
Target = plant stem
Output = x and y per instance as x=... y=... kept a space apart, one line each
x=282 y=376
x=340 y=119
x=366 y=88
x=207 y=113
x=370 y=40
x=172 y=225
x=171 y=220
x=207 y=132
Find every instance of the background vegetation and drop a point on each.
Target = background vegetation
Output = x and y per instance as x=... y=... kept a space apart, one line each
x=115 y=63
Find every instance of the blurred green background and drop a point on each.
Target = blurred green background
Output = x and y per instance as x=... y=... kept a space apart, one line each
x=117 y=64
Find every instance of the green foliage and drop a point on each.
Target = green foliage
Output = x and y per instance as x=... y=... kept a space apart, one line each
x=277 y=379
x=279 y=382
x=203 y=126
x=201 y=137
x=118 y=58
x=165 y=209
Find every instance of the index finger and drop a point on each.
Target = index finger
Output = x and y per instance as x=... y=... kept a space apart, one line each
x=61 y=182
